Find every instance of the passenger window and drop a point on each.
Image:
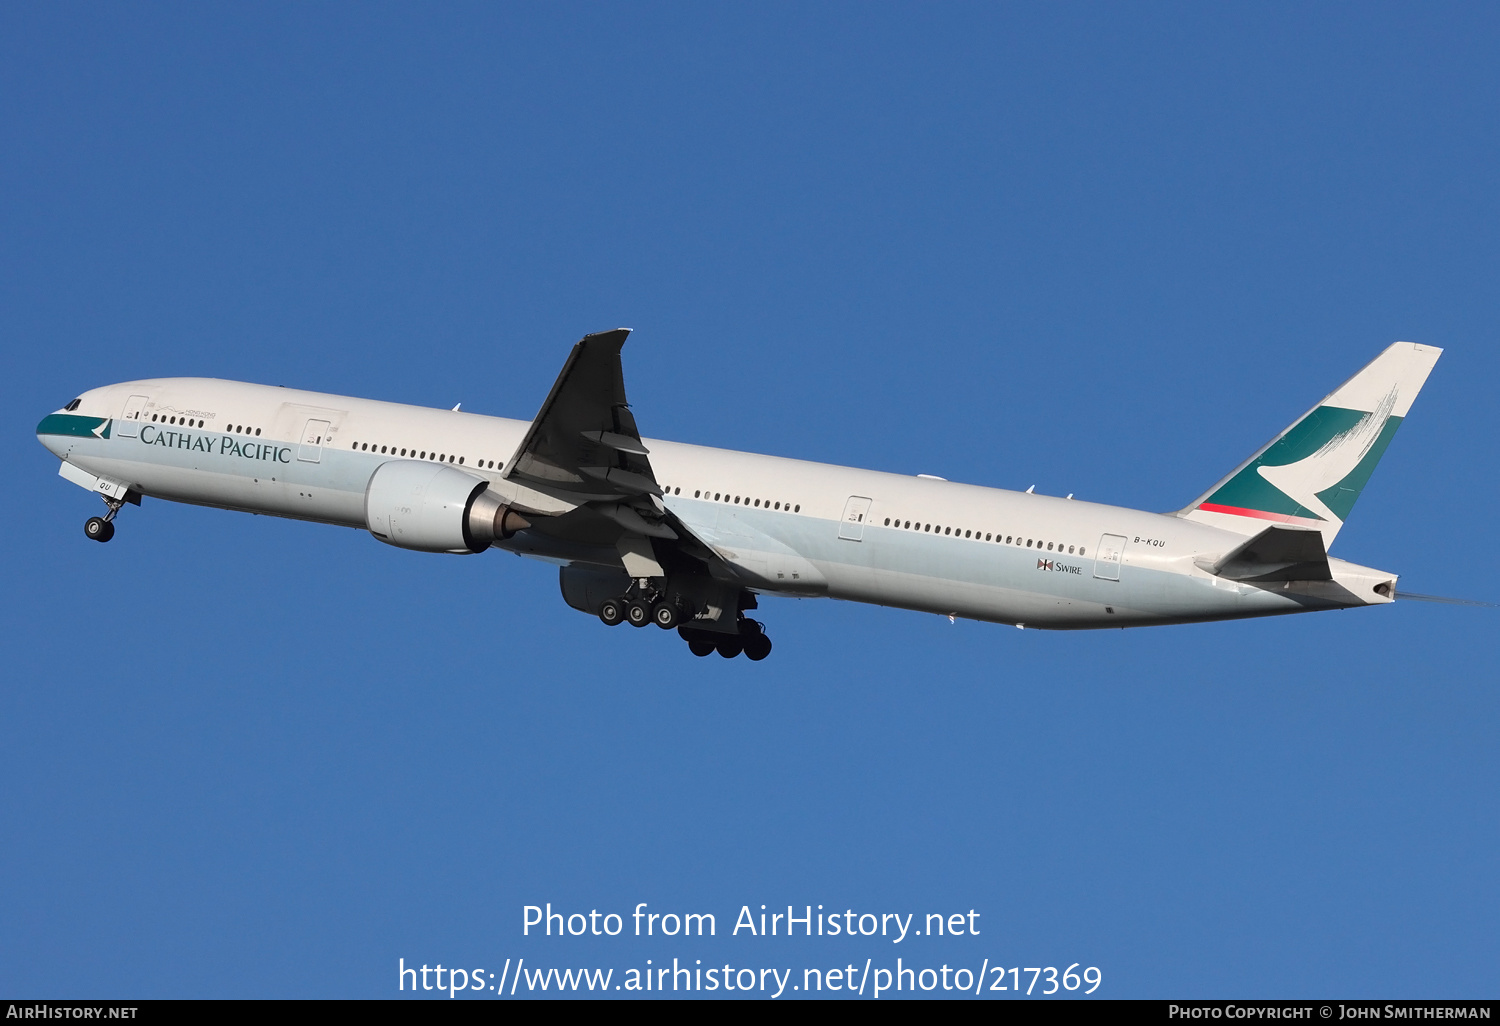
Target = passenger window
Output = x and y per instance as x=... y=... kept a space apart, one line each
x=798 y=509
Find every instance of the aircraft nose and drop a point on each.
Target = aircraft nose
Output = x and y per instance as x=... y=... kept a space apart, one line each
x=50 y=441
x=46 y=433
x=57 y=430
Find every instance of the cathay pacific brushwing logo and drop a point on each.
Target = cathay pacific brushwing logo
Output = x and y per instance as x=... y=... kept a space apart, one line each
x=1335 y=460
x=1312 y=474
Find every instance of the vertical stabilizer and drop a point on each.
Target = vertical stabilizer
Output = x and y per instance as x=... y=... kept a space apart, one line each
x=1311 y=474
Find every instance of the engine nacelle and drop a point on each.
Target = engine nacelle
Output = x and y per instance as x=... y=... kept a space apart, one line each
x=586 y=587
x=432 y=507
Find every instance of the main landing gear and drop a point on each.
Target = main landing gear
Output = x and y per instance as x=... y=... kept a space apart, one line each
x=644 y=603
x=751 y=640
x=638 y=607
x=102 y=529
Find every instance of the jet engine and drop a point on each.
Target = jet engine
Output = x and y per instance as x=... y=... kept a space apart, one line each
x=432 y=507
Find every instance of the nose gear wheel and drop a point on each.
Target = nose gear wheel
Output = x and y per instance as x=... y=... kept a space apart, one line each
x=102 y=529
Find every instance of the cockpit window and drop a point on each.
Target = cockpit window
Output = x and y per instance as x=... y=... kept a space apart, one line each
x=74 y=404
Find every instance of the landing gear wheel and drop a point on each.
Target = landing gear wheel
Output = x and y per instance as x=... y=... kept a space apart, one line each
x=701 y=648
x=757 y=647
x=612 y=612
x=638 y=613
x=665 y=615
x=99 y=529
x=730 y=647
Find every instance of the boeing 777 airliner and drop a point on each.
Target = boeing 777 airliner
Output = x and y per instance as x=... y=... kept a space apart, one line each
x=687 y=537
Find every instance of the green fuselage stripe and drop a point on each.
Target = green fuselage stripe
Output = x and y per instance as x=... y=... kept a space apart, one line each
x=73 y=424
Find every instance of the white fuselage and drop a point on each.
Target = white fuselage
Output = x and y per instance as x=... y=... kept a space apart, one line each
x=785 y=526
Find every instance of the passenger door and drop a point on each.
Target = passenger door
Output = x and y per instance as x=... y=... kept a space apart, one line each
x=130 y=418
x=852 y=527
x=313 y=436
x=1107 y=557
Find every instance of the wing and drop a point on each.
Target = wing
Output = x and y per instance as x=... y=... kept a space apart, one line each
x=582 y=466
x=584 y=449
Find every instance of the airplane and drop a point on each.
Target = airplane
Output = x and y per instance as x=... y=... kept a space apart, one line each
x=690 y=537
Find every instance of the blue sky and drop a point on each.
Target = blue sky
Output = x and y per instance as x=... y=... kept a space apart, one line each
x=1101 y=249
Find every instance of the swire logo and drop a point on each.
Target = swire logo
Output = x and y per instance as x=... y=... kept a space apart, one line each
x=1044 y=564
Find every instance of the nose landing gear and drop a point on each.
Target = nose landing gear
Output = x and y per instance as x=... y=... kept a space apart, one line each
x=102 y=529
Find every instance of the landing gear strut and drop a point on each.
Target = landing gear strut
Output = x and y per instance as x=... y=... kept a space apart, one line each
x=102 y=529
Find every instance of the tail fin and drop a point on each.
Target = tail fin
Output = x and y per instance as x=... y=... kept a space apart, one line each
x=1311 y=474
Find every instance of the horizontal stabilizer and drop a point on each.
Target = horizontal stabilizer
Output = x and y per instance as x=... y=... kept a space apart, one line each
x=1278 y=553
